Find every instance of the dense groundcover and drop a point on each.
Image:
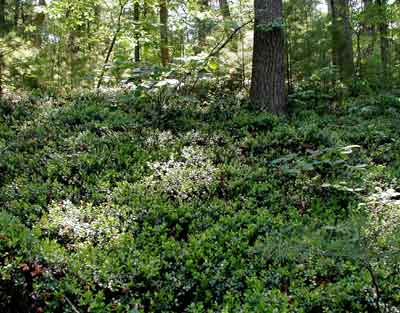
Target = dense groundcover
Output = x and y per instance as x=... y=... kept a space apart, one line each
x=110 y=203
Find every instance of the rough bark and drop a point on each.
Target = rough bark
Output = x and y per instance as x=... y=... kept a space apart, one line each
x=164 y=32
x=136 y=18
x=342 y=44
x=268 y=75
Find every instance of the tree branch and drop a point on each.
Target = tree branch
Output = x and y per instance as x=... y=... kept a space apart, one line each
x=215 y=51
x=113 y=41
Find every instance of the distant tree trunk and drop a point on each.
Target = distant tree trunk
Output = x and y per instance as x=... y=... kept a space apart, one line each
x=224 y=7
x=164 y=32
x=2 y=17
x=342 y=44
x=333 y=49
x=368 y=27
x=136 y=17
x=17 y=13
x=383 y=28
x=113 y=42
x=39 y=20
x=201 y=28
x=226 y=14
x=268 y=75
x=2 y=33
x=359 y=55
x=368 y=30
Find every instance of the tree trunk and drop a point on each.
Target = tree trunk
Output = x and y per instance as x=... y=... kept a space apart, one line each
x=226 y=14
x=164 y=32
x=39 y=20
x=342 y=44
x=1 y=75
x=268 y=77
x=2 y=33
x=228 y=22
x=201 y=28
x=113 y=42
x=17 y=13
x=136 y=17
x=2 y=16
x=383 y=28
x=368 y=30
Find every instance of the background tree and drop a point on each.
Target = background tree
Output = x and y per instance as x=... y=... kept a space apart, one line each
x=58 y=46
x=268 y=80
x=136 y=17
x=383 y=29
x=3 y=31
x=342 y=43
x=164 y=32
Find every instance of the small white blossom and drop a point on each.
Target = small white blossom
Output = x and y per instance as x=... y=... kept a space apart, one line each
x=191 y=174
x=84 y=223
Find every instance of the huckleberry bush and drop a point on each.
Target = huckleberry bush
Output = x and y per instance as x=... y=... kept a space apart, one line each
x=183 y=177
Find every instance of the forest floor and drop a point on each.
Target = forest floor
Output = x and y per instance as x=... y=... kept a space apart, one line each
x=116 y=204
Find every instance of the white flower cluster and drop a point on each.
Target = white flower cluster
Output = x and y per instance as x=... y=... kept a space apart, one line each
x=384 y=206
x=83 y=224
x=196 y=137
x=157 y=138
x=192 y=174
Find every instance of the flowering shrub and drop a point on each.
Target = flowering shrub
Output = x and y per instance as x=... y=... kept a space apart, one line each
x=84 y=223
x=157 y=138
x=192 y=174
x=384 y=218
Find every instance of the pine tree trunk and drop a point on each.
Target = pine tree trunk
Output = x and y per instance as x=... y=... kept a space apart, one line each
x=136 y=17
x=268 y=77
x=164 y=32
x=342 y=44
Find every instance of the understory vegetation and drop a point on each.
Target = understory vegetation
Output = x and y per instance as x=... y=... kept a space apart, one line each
x=114 y=202
x=199 y=156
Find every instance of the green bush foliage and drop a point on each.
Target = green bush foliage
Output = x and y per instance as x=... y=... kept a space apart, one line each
x=112 y=204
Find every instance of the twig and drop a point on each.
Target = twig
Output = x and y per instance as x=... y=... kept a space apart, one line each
x=72 y=305
x=222 y=44
x=376 y=286
x=113 y=41
x=214 y=51
x=5 y=149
